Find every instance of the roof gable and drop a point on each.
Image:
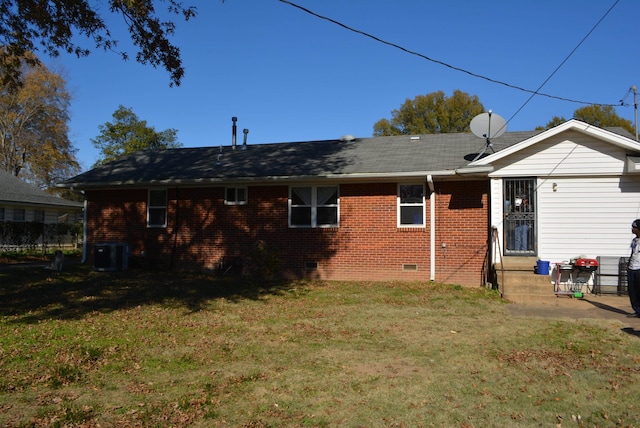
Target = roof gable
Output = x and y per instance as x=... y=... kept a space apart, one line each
x=571 y=125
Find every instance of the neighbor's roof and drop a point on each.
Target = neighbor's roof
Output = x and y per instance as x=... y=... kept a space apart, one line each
x=364 y=158
x=14 y=191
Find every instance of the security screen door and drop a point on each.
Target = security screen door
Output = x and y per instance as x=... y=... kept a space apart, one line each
x=520 y=217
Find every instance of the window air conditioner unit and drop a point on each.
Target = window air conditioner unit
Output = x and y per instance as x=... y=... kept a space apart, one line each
x=111 y=256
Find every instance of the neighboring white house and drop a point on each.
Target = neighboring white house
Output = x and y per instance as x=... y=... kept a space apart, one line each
x=583 y=187
x=23 y=204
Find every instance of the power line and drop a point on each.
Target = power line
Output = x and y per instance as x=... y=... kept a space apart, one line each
x=479 y=76
x=563 y=62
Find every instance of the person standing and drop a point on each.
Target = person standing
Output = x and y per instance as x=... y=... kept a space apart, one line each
x=522 y=225
x=633 y=283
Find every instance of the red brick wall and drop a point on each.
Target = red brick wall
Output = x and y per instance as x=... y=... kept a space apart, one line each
x=368 y=245
x=462 y=223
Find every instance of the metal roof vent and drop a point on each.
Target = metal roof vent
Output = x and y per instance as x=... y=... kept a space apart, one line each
x=347 y=138
x=244 y=142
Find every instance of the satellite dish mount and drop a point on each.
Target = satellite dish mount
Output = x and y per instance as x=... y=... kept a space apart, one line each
x=487 y=126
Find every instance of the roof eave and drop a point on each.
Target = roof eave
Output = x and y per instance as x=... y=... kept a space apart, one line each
x=266 y=179
x=70 y=204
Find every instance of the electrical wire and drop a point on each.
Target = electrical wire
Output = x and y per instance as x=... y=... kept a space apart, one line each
x=563 y=62
x=470 y=73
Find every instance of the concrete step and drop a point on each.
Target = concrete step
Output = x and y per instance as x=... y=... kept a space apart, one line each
x=525 y=278
x=520 y=284
x=525 y=264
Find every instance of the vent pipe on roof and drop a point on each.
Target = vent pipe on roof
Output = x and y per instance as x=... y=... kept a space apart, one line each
x=244 y=142
x=234 y=129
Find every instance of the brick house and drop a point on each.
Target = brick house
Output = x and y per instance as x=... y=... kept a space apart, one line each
x=389 y=208
x=386 y=208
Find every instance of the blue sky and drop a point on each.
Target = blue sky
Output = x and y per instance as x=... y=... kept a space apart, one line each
x=290 y=76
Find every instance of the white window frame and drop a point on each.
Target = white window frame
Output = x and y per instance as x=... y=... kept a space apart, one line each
x=237 y=195
x=411 y=205
x=156 y=207
x=314 y=207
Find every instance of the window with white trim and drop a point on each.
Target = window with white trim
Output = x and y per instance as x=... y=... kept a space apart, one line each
x=157 y=208
x=313 y=206
x=235 y=196
x=411 y=206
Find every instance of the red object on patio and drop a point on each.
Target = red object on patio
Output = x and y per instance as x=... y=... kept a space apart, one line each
x=586 y=264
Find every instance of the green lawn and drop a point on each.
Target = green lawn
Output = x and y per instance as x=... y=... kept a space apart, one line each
x=140 y=348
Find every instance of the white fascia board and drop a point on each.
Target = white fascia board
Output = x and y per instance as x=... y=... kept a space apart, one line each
x=264 y=180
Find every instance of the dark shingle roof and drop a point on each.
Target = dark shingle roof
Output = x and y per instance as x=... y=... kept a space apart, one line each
x=15 y=191
x=400 y=155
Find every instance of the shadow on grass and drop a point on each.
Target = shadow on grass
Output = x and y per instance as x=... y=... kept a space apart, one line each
x=32 y=294
x=632 y=331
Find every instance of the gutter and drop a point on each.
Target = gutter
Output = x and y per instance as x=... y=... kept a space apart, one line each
x=265 y=179
x=475 y=170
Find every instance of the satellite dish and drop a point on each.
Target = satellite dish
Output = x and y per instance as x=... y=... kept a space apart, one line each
x=487 y=126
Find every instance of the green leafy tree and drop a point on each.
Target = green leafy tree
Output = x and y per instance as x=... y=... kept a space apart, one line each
x=600 y=116
x=55 y=26
x=431 y=114
x=34 y=142
x=128 y=134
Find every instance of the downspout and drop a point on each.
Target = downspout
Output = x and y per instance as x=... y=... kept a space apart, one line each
x=432 y=228
x=84 y=230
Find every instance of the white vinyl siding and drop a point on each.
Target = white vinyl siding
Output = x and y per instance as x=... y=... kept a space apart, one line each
x=19 y=214
x=31 y=214
x=590 y=216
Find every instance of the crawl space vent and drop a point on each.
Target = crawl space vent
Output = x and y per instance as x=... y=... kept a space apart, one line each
x=409 y=267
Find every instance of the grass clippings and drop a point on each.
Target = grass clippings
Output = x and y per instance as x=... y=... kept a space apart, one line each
x=139 y=348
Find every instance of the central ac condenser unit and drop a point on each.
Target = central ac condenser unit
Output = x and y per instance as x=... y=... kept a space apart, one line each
x=111 y=256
